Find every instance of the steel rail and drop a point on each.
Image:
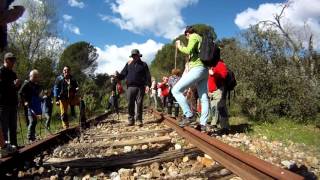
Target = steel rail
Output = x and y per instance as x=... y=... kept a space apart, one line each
x=242 y=164
x=17 y=159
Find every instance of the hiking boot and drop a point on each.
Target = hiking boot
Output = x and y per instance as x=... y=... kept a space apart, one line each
x=139 y=123
x=188 y=121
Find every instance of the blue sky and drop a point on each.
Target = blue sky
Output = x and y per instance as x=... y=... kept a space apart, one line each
x=117 y=26
x=218 y=13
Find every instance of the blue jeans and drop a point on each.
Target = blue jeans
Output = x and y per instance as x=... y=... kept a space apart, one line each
x=8 y=118
x=196 y=76
x=32 y=125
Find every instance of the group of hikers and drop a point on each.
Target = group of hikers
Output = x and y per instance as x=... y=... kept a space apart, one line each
x=203 y=87
x=200 y=88
x=37 y=102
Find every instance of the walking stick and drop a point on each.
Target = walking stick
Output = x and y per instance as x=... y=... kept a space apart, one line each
x=175 y=58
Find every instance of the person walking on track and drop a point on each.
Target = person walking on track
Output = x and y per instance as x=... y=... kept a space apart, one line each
x=173 y=79
x=9 y=86
x=30 y=96
x=66 y=94
x=137 y=75
x=116 y=90
x=197 y=74
x=217 y=91
x=47 y=105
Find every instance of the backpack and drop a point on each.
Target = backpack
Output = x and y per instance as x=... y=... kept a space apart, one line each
x=209 y=52
x=230 y=83
x=119 y=88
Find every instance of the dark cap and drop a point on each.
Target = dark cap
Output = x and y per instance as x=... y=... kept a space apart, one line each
x=189 y=29
x=135 y=51
x=9 y=55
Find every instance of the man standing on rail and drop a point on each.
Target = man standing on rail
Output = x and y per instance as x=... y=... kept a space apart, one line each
x=66 y=93
x=30 y=96
x=137 y=74
x=9 y=86
x=197 y=74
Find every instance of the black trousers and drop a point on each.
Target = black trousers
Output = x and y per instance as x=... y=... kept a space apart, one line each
x=8 y=118
x=135 y=101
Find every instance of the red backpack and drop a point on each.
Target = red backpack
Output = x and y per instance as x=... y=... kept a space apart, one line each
x=119 y=88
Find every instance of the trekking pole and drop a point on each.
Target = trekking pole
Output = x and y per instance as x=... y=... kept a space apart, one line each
x=20 y=124
x=175 y=58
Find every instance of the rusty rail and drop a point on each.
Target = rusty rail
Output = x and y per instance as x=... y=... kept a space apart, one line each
x=242 y=164
x=28 y=152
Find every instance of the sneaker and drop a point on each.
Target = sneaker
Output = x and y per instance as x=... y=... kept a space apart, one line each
x=139 y=123
x=11 y=148
x=186 y=121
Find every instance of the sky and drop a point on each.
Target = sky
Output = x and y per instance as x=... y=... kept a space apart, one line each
x=115 y=27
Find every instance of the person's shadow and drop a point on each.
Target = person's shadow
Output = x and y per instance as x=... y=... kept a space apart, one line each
x=240 y=128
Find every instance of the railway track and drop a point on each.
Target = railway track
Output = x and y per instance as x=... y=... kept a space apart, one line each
x=160 y=150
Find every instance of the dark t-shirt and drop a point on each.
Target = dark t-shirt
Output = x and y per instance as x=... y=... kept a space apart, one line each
x=8 y=90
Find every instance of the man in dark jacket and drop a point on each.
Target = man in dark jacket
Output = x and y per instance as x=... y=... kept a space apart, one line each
x=30 y=95
x=137 y=75
x=66 y=94
x=9 y=86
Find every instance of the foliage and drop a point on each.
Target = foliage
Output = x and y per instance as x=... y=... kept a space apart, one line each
x=47 y=77
x=269 y=83
x=81 y=57
x=34 y=38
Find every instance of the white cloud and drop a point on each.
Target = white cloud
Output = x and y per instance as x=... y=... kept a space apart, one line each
x=69 y=26
x=161 y=17
x=67 y=17
x=72 y=28
x=76 y=3
x=299 y=15
x=113 y=58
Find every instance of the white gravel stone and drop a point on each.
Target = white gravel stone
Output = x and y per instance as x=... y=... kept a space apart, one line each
x=177 y=146
x=115 y=176
x=127 y=149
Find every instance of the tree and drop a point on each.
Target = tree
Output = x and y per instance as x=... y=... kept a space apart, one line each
x=34 y=37
x=294 y=42
x=269 y=84
x=47 y=77
x=101 y=80
x=81 y=57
